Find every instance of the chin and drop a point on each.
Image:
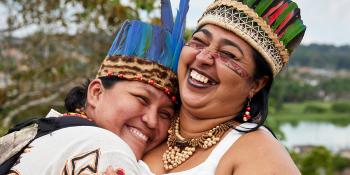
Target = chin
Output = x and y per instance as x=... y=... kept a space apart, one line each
x=138 y=153
x=194 y=99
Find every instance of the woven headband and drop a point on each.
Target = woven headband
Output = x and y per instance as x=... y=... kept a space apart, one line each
x=272 y=27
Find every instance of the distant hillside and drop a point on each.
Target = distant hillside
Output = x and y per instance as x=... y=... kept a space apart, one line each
x=322 y=56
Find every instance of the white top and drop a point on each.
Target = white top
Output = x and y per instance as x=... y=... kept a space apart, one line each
x=210 y=164
x=76 y=150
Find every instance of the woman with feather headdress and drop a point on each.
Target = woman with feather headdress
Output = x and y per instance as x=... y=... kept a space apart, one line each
x=120 y=115
x=225 y=73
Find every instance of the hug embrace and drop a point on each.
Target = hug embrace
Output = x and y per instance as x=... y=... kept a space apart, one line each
x=166 y=106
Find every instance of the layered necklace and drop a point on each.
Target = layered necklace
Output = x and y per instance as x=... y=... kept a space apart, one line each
x=180 y=148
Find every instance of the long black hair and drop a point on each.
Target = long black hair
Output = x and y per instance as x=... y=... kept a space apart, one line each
x=259 y=103
x=76 y=97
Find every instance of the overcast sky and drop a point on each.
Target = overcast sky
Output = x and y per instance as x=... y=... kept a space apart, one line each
x=328 y=21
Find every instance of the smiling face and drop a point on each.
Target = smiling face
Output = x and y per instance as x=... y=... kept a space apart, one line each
x=215 y=73
x=137 y=112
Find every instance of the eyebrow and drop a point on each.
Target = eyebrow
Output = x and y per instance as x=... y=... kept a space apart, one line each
x=152 y=93
x=224 y=41
x=205 y=31
x=149 y=91
x=231 y=43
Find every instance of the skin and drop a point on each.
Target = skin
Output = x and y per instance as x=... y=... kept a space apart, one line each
x=206 y=105
x=137 y=112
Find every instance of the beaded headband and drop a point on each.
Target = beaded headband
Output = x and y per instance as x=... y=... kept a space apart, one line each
x=149 y=53
x=272 y=27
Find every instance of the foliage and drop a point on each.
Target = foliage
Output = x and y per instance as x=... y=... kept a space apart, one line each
x=69 y=40
x=319 y=161
x=338 y=87
x=341 y=107
x=294 y=113
x=3 y=131
x=61 y=15
x=322 y=56
x=312 y=108
x=286 y=88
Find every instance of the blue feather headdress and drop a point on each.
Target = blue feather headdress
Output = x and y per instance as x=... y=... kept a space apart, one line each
x=149 y=53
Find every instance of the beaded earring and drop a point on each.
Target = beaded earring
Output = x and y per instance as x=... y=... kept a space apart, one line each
x=247 y=115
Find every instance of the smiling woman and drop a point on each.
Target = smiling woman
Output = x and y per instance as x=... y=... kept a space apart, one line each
x=142 y=122
x=132 y=101
x=225 y=73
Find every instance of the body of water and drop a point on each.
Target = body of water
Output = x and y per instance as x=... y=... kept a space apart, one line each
x=314 y=133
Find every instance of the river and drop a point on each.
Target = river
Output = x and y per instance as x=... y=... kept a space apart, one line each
x=329 y=135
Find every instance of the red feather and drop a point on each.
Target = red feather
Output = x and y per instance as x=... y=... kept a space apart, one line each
x=273 y=9
x=275 y=15
x=280 y=35
x=286 y=20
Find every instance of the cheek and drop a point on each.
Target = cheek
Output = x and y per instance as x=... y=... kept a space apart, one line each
x=186 y=58
x=164 y=125
x=162 y=134
x=112 y=113
x=233 y=86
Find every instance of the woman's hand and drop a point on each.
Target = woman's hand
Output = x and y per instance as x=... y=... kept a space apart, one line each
x=111 y=171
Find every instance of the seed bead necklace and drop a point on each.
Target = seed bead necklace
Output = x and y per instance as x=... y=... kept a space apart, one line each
x=180 y=148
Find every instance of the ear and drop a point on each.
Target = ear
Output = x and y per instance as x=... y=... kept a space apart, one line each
x=258 y=85
x=94 y=92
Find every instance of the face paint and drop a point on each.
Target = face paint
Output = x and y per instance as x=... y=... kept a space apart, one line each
x=234 y=66
x=229 y=62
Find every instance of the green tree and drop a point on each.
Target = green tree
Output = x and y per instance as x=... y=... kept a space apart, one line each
x=320 y=161
x=61 y=43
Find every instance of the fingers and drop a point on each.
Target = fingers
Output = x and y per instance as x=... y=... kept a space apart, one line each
x=110 y=171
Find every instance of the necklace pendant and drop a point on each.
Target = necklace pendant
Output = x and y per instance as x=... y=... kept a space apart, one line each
x=181 y=149
x=175 y=156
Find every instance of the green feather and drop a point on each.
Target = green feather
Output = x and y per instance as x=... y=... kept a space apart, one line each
x=148 y=39
x=249 y=3
x=292 y=6
x=262 y=6
x=292 y=31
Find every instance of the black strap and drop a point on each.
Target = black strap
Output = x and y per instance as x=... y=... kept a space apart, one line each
x=45 y=126
x=48 y=125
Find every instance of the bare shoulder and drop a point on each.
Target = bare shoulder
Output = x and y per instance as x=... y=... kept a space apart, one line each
x=258 y=152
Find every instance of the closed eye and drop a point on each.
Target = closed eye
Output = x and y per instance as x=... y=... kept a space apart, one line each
x=142 y=99
x=198 y=40
x=165 y=115
x=229 y=55
x=196 y=43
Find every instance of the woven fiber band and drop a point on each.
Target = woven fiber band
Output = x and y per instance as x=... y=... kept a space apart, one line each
x=245 y=22
x=146 y=71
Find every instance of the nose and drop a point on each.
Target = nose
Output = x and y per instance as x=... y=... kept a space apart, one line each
x=150 y=118
x=205 y=57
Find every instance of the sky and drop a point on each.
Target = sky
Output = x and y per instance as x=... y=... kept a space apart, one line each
x=327 y=21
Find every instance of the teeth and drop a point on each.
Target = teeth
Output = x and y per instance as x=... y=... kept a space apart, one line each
x=199 y=77
x=139 y=134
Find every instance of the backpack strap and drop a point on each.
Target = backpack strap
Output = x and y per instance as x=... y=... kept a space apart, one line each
x=48 y=125
x=45 y=126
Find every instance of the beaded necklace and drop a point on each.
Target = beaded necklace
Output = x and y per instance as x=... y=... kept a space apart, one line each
x=180 y=148
x=80 y=114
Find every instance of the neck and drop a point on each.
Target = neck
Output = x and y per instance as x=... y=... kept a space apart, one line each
x=193 y=126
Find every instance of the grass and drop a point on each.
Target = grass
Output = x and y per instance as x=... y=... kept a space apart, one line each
x=295 y=112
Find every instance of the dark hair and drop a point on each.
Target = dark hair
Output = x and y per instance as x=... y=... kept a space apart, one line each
x=76 y=97
x=259 y=103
